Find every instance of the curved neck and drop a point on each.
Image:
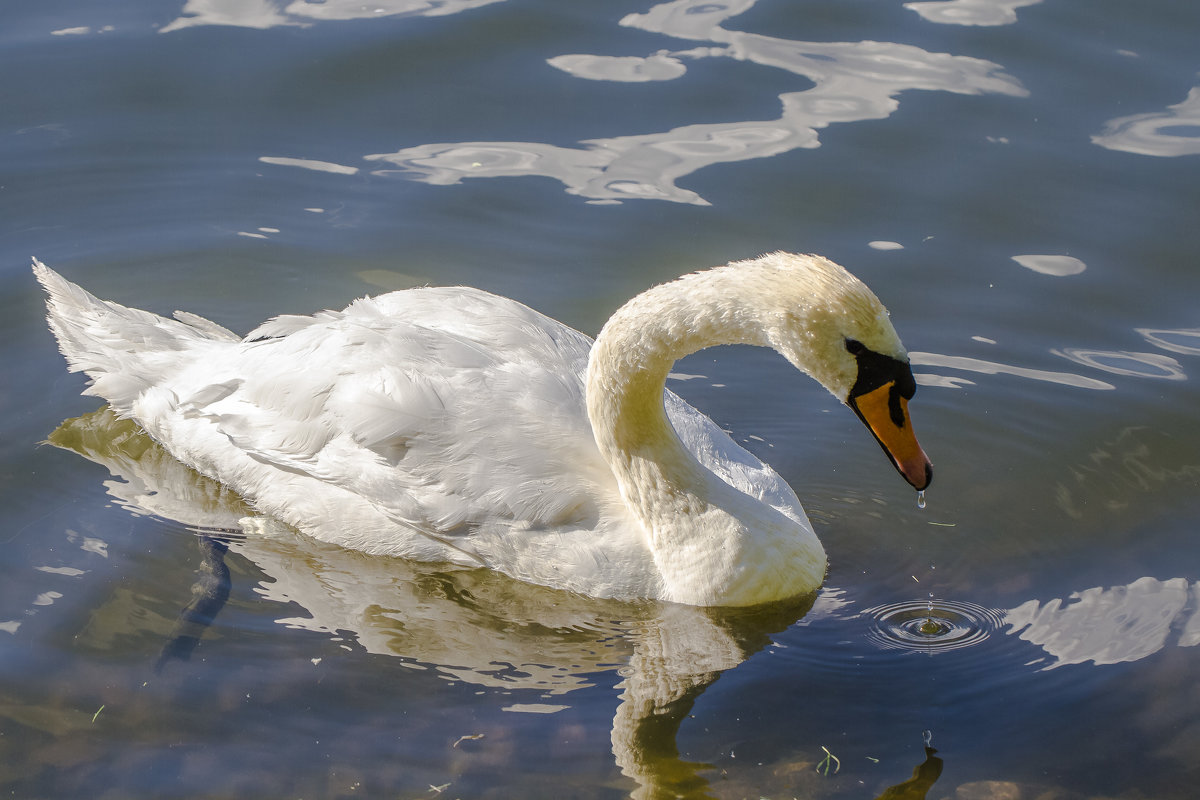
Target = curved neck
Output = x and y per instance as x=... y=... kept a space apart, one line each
x=697 y=524
x=629 y=364
x=635 y=351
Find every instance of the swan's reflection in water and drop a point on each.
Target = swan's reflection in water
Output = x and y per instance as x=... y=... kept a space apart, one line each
x=470 y=625
x=473 y=626
x=924 y=776
x=209 y=595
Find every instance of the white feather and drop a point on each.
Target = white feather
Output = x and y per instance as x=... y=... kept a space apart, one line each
x=452 y=424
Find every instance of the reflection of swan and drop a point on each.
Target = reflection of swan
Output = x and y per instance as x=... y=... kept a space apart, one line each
x=917 y=787
x=453 y=425
x=472 y=626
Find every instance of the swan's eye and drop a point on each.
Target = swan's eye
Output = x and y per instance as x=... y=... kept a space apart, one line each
x=855 y=347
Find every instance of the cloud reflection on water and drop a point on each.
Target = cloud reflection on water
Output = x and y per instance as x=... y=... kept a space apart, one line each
x=970 y=12
x=263 y=14
x=994 y=368
x=308 y=163
x=1113 y=625
x=1179 y=340
x=1051 y=265
x=1174 y=132
x=628 y=69
x=1124 y=362
x=853 y=81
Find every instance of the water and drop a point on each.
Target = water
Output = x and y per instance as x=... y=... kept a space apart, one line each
x=930 y=627
x=1016 y=181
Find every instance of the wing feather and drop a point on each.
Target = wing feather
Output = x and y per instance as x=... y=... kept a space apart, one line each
x=445 y=409
x=442 y=408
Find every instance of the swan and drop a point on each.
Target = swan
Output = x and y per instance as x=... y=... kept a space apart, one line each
x=449 y=424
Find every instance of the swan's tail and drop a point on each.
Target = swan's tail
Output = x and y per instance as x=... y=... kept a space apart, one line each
x=123 y=350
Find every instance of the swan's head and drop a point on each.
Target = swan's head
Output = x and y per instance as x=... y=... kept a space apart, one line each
x=829 y=324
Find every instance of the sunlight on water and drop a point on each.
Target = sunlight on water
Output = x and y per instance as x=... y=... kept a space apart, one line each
x=993 y=368
x=1175 y=132
x=1051 y=265
x=855 y=81
x=970 y=12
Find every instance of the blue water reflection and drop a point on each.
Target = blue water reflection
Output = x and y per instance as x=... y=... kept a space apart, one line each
x=469 y=626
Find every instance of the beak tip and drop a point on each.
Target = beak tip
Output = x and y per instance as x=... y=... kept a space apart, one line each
x=918 y=473
x=928 y=476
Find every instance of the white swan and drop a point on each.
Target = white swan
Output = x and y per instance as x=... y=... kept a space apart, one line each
x=449 y=424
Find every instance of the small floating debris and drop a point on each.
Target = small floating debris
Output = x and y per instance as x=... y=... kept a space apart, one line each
x=830 y=760
x=470 y=737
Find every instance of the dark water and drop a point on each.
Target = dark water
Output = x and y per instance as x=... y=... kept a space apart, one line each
x=1018 y=180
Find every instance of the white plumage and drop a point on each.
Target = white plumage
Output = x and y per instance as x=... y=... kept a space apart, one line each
x=449 y=424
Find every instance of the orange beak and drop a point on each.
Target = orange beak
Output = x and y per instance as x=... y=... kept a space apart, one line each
x=885 y=413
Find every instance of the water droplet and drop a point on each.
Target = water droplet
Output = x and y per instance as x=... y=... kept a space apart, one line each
x=921 y=499
x=927 y=736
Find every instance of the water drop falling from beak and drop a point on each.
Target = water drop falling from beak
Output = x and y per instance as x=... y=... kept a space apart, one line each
x=921 y=499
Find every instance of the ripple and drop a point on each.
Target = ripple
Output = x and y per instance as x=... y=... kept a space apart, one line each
x=916 y=625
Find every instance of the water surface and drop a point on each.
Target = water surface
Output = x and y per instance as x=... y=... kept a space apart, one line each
x=1017 y=181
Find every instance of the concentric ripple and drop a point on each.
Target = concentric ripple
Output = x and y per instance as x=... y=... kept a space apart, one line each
x=931 y=626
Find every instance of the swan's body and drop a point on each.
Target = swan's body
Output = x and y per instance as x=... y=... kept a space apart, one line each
x=449 y=424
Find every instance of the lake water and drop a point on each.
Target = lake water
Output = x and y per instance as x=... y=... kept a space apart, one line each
x=1018 y=180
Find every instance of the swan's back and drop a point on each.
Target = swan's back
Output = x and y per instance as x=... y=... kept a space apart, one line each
x=446 y=408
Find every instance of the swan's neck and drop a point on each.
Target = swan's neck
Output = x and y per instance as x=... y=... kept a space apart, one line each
x=711 y=542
